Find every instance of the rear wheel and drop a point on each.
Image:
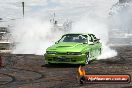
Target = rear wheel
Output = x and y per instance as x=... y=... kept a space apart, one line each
x=100 y=51
x=87 y=61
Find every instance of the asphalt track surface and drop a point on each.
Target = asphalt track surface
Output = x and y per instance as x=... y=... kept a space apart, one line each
x=29 y=71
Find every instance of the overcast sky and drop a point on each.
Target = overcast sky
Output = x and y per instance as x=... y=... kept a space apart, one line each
x=63 y=8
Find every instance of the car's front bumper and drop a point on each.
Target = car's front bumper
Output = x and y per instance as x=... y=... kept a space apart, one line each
x=67 y=59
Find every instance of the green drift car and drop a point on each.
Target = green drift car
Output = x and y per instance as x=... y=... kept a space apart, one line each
x=74 y=49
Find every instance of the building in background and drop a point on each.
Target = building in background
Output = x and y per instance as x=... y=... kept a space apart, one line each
x=120 y=23
x=4 y=37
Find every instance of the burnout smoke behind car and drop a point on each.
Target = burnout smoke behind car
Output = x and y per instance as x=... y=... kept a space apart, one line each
x=33 y=36
x=100 y=29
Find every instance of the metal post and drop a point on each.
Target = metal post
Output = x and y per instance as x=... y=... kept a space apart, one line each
x=23 y=8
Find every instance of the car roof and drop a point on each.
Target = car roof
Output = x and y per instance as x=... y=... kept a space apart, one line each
x=78 y=33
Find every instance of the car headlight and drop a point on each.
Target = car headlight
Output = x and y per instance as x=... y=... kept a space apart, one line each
x=50 y=52
x=73 y=53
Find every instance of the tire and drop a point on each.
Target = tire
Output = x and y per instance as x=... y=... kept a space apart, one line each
x=100 y=51
x=87 y=61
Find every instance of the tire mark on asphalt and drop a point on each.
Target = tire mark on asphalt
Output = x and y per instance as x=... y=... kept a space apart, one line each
x=13 y=78
x=8 y=82
x=35 y=80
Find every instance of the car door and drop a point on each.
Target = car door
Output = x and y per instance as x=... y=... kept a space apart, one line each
x=97 y=46
x=91 y=46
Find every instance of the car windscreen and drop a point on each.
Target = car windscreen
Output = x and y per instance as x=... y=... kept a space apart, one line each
x=74 y=38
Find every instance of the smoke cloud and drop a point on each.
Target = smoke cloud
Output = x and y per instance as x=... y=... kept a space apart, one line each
x=33 y=36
